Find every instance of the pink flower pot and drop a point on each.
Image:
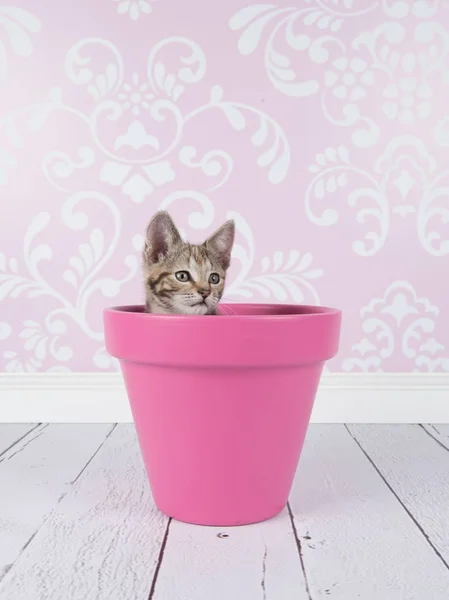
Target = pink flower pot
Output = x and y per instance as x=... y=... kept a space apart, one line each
x=222 y=404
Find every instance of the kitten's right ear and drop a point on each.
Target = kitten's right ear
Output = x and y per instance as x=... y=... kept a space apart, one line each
x=162 y=237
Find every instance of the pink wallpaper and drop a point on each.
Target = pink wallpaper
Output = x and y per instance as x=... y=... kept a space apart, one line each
x=321 y=127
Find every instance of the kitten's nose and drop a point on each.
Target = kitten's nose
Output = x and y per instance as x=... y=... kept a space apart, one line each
x=204 y=293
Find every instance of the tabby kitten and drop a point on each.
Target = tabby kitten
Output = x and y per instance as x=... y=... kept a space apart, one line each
x=182 y=278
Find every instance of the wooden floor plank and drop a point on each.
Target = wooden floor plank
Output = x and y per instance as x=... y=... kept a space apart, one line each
x=416 y=466
x=354 y=523
x=440 y=433
x=34 y=473
x=102 y=541
x=11 y=433
x=257 y=562
x=357 y=540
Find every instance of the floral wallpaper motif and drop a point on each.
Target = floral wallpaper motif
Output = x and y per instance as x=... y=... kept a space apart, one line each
x=321 y=127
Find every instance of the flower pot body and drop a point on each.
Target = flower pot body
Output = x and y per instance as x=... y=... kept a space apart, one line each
x=221 y=404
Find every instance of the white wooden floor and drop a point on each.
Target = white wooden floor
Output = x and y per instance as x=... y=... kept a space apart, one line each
x=368 y=518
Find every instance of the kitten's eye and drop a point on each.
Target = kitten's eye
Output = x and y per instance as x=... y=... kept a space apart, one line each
x=182 y=276
x=214 y=278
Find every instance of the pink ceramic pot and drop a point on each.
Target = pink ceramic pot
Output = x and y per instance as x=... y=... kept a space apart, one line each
x=221 y=404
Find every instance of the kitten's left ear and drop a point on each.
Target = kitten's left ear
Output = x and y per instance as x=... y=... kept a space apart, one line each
x=220 y=243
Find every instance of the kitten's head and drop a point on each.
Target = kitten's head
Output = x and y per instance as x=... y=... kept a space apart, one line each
x=181 y=278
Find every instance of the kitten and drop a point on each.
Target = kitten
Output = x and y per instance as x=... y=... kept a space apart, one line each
x=182 y=278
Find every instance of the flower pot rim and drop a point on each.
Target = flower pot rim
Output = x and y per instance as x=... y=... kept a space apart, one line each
x=305 y=335
x=286 y=312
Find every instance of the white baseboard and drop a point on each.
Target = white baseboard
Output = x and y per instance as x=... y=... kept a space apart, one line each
x=342 y=398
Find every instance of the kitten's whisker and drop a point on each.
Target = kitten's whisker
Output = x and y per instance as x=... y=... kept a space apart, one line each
x=227 y=300
x=230 y=309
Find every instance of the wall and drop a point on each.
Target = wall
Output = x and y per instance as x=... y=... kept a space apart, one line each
x=321 y=126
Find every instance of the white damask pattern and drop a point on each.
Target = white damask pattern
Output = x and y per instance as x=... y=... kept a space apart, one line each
x=139 y=160
x=283 y=279
x=37 y=344
x=285 y=276
x=399 y=325
x=316 y=31
x=320 y=126
x=159 y=97
x=83 y=273
x=405 y=164
x=5 y=330
x=135 y=9
x=18 y=25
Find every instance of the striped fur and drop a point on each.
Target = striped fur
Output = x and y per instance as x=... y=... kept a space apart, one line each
x=165 y=255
